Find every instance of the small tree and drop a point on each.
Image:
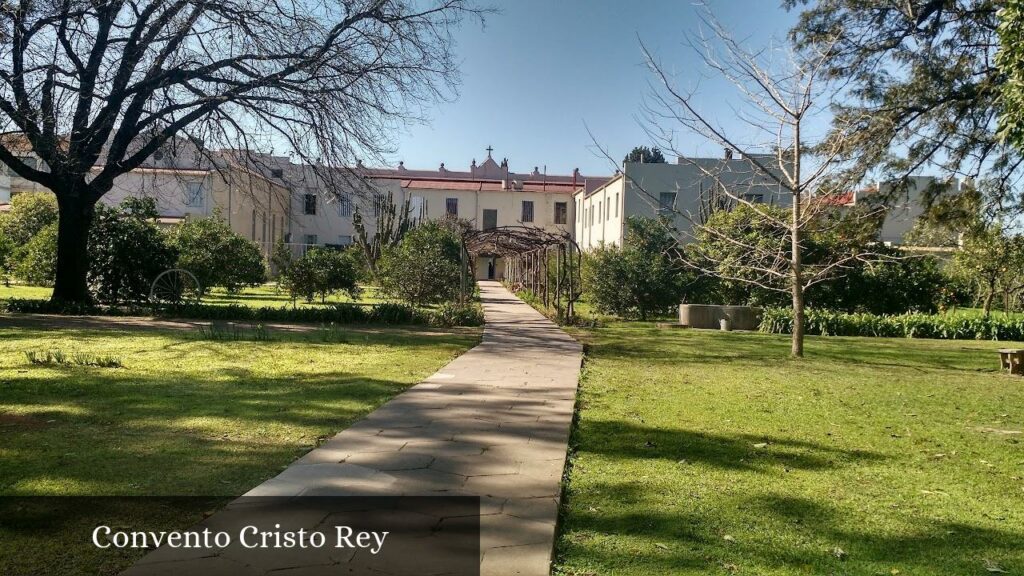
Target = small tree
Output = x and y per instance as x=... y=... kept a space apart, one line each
x=127 y=251
x=640 y=278
x=782 y=95
x=993 y=261
x=216 y=255
x=424 y=268
x=645 y=155
x=320 y=272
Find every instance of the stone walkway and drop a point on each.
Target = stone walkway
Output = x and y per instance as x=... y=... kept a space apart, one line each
x=493 y=423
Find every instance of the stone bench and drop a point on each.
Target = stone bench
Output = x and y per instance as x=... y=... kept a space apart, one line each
x=1012 y=360
x=711 y=315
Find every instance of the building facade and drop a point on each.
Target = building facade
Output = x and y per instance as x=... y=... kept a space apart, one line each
x=488 y=195
x=188 y=184
x=685 y=192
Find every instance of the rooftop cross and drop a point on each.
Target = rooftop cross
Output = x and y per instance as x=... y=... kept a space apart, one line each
x=489 y=150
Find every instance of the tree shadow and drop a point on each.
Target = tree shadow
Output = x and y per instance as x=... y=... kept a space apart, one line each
x=755 y=453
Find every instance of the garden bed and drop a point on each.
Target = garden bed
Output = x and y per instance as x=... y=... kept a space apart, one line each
x=951 y=326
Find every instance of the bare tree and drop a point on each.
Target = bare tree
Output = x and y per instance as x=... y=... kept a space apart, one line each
x=781 y=92
x=95 y=87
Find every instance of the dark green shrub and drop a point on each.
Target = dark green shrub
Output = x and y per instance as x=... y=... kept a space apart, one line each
x=454 y=314
x=338 y=313
x=644 y=277
x=210 y=249
x=394 y=313
x=127 y=252
x=319 y=272
x=424 y=268
x=892 y=283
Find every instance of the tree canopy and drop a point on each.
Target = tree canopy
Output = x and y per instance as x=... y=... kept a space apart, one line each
x=645 y=155
x=1010 y=60
x=107 y=83
x=919 y=85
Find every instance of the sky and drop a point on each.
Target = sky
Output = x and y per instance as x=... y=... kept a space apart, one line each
x=540 y=72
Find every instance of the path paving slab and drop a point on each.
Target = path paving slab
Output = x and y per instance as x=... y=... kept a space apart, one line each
x=494 y=423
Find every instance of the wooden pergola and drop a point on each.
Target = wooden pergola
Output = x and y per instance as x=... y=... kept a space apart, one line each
x=545 y=263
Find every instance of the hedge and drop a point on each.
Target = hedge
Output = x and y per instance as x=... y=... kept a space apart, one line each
x=912 y=325
x=339 y=313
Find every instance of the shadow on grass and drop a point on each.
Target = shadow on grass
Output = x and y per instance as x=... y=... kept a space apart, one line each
x=747 y=452
x=786 y=534
x=170 y=434
x=646 y=343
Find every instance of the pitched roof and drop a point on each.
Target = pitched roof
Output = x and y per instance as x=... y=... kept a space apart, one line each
x=488 y=185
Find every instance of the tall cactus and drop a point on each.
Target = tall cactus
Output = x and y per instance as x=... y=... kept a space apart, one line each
x=392 y=225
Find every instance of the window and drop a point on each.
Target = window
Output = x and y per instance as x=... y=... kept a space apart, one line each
x=277 y=172
x=344 y=207
x=490 y=219
x=598 y=211
x=253 y=233
x=666 y=201
x=378 y=204
x=616 y=204
x=451 y=207
x=308 y=240
x=527 y=211
x=309 y=205
x=561 y=212
x=579 y=210
x=608 y=211
x=194 y=194
x=591 y=211
x=345 y=239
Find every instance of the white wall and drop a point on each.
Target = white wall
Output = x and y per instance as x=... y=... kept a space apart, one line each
x=5 y=186
x=903 y=209
x=601 y=216
x=637 y=193
x=169 y=189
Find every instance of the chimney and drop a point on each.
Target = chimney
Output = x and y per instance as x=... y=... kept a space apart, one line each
x=728 y=153
x=575 y=175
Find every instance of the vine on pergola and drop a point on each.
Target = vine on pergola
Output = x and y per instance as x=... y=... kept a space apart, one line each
x=545 y=263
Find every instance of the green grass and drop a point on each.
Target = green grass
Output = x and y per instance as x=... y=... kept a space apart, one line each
x=186 y=415
x=182 y=415
x=713 y=453
x=266 y=295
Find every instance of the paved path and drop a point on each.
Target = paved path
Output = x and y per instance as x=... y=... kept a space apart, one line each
x=493 y=423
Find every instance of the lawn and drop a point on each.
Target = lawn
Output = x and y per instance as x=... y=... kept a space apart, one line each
x=183 y=416
x=267 y=295
x=701 y=452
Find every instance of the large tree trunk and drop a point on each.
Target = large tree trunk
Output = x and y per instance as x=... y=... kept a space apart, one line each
x=75 y=219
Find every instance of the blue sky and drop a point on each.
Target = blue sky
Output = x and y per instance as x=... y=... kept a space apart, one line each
x=541 y=71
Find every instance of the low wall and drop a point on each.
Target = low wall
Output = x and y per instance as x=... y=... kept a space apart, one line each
x=710 y=315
